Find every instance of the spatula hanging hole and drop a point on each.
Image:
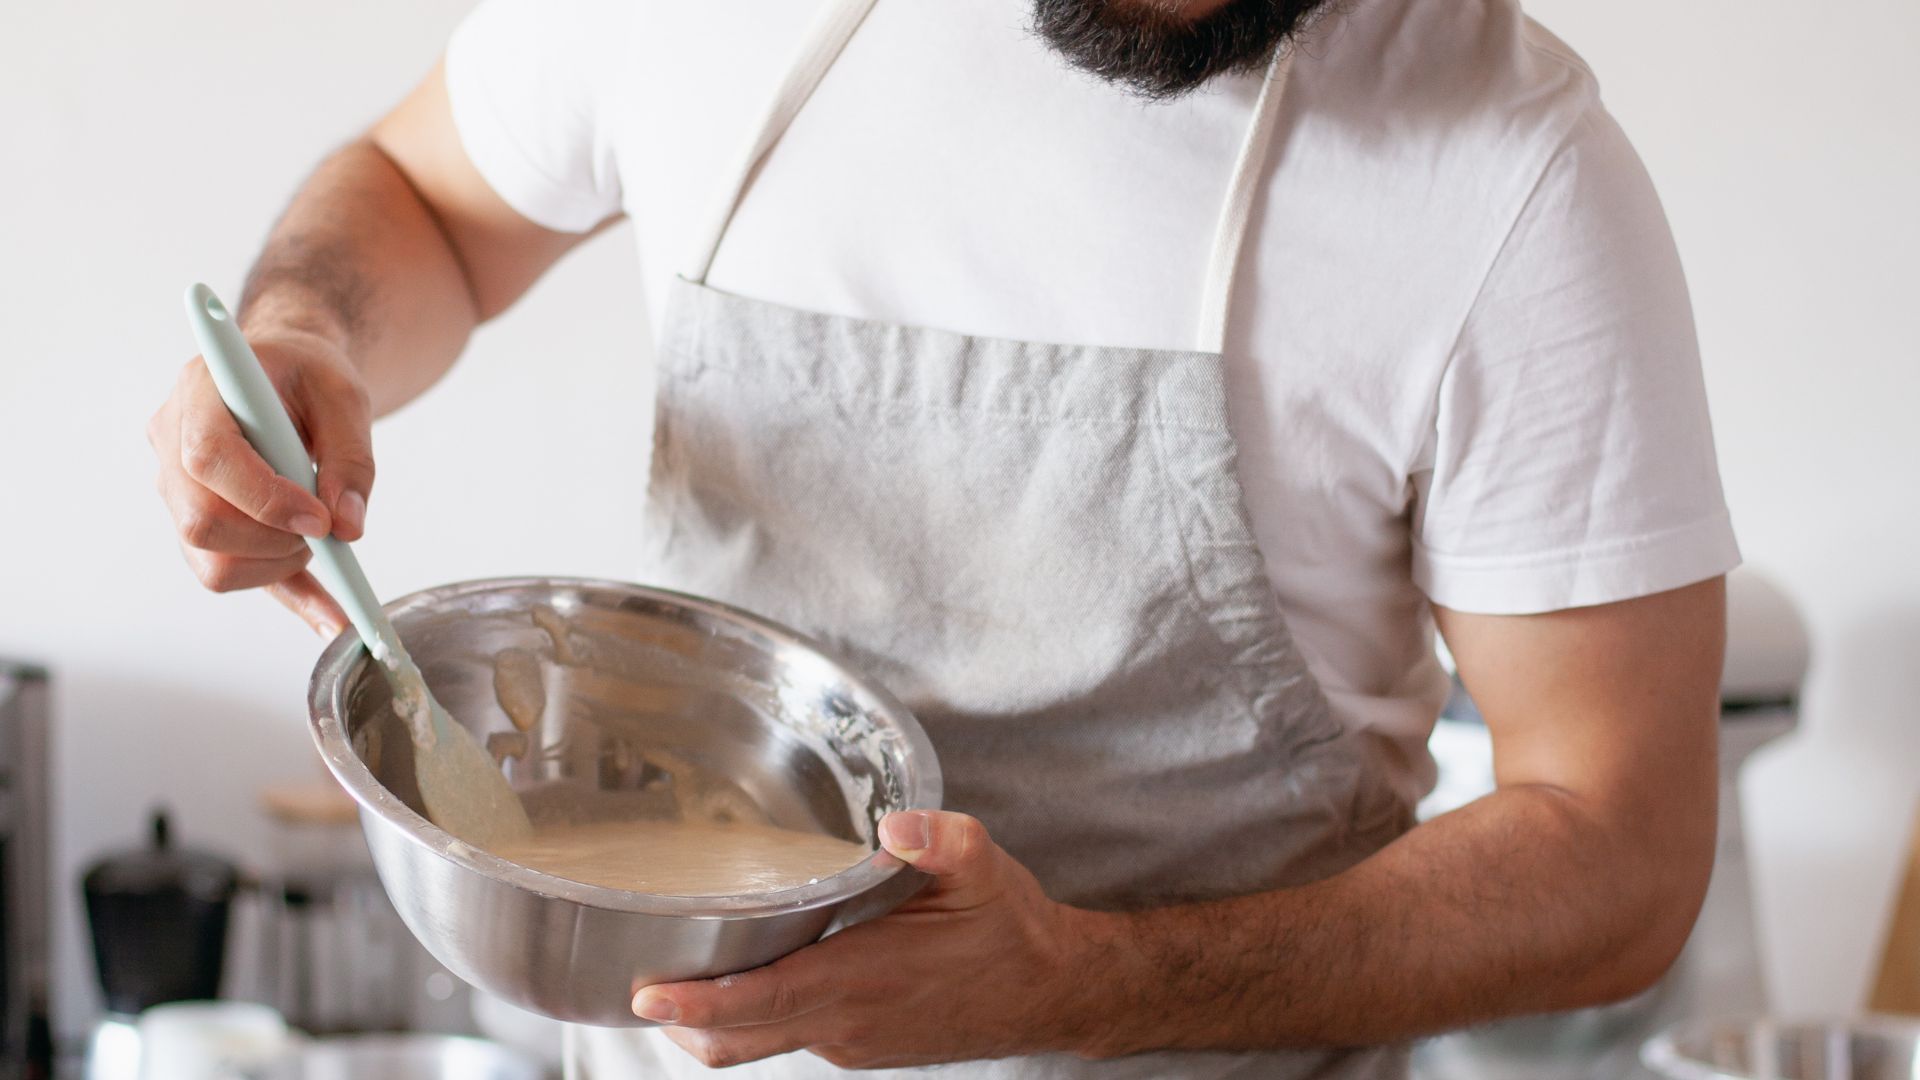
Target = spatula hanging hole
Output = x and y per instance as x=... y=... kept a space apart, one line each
x=216 y=310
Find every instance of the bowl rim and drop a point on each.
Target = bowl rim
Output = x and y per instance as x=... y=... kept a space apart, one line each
x=1662 y=1053
x=922 y=780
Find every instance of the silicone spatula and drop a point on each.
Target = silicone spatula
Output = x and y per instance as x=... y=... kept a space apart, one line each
x=464 y=793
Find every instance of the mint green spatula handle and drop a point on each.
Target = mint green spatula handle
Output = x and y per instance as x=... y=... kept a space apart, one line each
x=462 y=789
x=256 y=406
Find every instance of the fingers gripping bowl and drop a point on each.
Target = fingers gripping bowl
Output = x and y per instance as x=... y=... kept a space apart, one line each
x=607 y=701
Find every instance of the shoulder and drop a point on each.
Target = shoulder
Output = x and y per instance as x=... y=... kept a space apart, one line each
x=1468 y=68
x=1458 y=105
x=1435 y=137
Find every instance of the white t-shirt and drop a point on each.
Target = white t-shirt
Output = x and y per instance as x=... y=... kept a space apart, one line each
x=1461 y=358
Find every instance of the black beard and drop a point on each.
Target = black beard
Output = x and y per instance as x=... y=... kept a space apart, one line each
x=1154 y=52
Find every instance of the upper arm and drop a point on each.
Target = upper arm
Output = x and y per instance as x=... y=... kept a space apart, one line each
x=1570 y=497
x=501 y=251
x=1616 y=706
x=513 y=139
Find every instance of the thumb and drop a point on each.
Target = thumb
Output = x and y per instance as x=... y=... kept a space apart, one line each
x=965 y=862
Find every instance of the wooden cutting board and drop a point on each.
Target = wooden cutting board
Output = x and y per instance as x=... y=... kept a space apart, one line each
x=314 y=802
x=1897 y=987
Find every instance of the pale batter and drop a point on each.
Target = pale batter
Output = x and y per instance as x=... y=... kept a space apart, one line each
x=518 y=687
x=683 y=858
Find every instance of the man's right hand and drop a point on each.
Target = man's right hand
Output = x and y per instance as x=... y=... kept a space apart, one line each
x=241 y=525
x=399 y=244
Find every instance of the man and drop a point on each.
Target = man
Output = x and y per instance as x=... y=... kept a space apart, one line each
x=1163 y=596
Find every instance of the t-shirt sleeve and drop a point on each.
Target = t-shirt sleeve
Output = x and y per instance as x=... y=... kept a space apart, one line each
x=1572 y=458
x=530 y=83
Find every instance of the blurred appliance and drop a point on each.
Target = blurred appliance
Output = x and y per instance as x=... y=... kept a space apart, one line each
x=1718 y=973
x=335 y=958
x=159 y=919
x=25 y=1047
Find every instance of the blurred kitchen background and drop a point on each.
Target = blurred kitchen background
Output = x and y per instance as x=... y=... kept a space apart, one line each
x=145 y=146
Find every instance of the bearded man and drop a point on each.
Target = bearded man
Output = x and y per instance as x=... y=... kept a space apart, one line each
x=1134 y=387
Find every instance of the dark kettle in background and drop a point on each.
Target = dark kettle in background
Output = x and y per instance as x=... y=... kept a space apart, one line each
x=159 y=918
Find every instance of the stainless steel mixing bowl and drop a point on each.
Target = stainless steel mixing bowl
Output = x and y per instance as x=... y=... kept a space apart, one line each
x=1867 y=1048
x=607 y=701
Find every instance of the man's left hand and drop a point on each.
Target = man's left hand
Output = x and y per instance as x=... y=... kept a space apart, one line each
x=979 y=965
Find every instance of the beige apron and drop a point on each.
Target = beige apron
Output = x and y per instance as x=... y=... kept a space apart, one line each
x=1040 y=549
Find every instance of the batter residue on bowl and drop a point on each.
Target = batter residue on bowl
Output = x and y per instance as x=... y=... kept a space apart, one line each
x=683 y=858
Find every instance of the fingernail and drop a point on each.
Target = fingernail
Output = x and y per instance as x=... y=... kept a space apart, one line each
x=908 y=831
x=656 y=1008
x=351 y=514
x=308 y=525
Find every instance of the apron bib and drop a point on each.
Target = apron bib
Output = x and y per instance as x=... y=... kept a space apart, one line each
x=1042 y=551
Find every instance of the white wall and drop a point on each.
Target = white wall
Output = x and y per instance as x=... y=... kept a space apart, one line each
x=143 y=146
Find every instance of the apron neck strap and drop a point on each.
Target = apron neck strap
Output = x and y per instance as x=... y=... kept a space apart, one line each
x=832 y=28
x=835 y=26
x=1231 y=230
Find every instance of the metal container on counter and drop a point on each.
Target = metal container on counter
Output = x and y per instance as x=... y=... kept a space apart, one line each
x=599 y=698
x=402 y=1057
x=333 y=955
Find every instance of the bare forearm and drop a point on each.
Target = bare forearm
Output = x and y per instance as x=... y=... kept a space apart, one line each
x=1519 y=902
x=359 y=259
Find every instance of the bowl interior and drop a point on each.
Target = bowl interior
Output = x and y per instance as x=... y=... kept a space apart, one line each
x=607 y=702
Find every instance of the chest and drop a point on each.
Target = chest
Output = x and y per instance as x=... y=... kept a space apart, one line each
x=950 y=172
